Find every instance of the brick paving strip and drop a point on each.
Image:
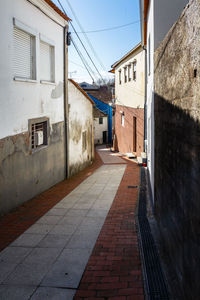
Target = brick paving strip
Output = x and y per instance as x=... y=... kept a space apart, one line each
x=114 y=268
x=15 y=223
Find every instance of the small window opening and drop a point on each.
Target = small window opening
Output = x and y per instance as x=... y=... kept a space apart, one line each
x=195 y=73
x=100 y=120
x=38 y=135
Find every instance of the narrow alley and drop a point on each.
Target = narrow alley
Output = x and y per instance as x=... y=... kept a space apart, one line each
x=85 y=246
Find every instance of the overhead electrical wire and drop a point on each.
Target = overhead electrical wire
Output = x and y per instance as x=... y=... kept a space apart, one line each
x=109 y=28
x=82 y=43
x=82 y=59
x=85 y=35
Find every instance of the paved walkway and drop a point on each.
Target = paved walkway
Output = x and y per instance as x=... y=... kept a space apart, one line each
x=48 y=260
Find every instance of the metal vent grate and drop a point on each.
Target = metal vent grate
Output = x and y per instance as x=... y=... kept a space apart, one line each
x=38 y=134
x=156 y=285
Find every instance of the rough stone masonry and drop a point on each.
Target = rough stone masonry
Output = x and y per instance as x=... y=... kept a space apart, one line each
x=177 y=151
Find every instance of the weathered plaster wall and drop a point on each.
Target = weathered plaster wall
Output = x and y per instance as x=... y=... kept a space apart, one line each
x=21 y=101
x=99 y=128
x=177 y=151
x=80 y=120
x=24 y=175
x=123 y=141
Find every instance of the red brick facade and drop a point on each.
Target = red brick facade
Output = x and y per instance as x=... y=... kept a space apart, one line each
x=125 y=134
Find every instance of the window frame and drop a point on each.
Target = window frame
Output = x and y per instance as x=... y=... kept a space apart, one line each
x=120 y=76
x=134 y=70
x=51 y=44
x=101 y=120
x=33 y=34
x=125 y=74
x=129 y=72
x=46 y=133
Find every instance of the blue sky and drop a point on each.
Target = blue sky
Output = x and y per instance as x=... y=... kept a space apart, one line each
x=109 y=45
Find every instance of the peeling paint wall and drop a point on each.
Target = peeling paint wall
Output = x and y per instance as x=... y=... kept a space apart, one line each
x=80 y=120
x=177 y=151
x=24 y=175
x=20 y=100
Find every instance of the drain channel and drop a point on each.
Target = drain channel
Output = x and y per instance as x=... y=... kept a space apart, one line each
x=156 y=288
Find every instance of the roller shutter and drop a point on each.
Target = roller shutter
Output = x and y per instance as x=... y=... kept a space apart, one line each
x=22 y=54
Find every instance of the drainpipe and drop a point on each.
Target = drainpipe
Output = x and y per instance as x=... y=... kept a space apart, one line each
x=66 y=107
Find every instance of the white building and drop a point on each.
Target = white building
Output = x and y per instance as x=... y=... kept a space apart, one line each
x=129 y=101
x=157 y=17
x=100 y=127
x=32 y=92
x=81 y=137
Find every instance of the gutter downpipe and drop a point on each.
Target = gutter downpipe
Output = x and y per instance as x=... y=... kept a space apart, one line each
x=66 y=107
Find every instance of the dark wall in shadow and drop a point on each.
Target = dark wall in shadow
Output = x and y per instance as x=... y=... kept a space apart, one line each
x=177 y=194
x=177 y=151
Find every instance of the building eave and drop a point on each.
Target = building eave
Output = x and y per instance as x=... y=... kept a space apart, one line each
x=132 y=51
x=52 y=5
x=81 y=90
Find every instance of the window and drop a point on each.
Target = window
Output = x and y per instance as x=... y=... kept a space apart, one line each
x=100 y=120
x=129 y=72
x=120 y=76
x=47 y=62
x=122 y=119
x=134 y=70
x=24 y=58
x=39 y=135
x=125 y=74
x=84 y=141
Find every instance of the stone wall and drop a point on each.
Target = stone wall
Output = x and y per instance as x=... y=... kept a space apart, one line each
x=24 y=174
x=177 y=151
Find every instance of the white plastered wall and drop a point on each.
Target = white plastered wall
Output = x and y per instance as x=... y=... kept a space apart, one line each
x=80 y=120
x=131 y=93
x=20 y=101
x=99 y=128
x=150 y=94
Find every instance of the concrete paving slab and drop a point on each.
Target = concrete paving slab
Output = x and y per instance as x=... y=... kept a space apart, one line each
x=28 y=240
x=77 y=212
x=64 y=275
x=82 y=243
x=42 y=256
x=9 y=292
x=27 y=274
x=64 y=229
x=6 y=269
x=49 y=220
x=14 y=254
x=97 y=213
x=39 y=228
x=53 y=294
x=57 y=212
x=71 y=220
x=54 y=241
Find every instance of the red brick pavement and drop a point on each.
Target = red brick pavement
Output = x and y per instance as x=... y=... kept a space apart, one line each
x=114 y=268
x=15 y=223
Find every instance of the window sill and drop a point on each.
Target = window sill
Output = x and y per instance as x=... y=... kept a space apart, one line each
x=47 y=82
x=38 y=149
x=24 y=80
